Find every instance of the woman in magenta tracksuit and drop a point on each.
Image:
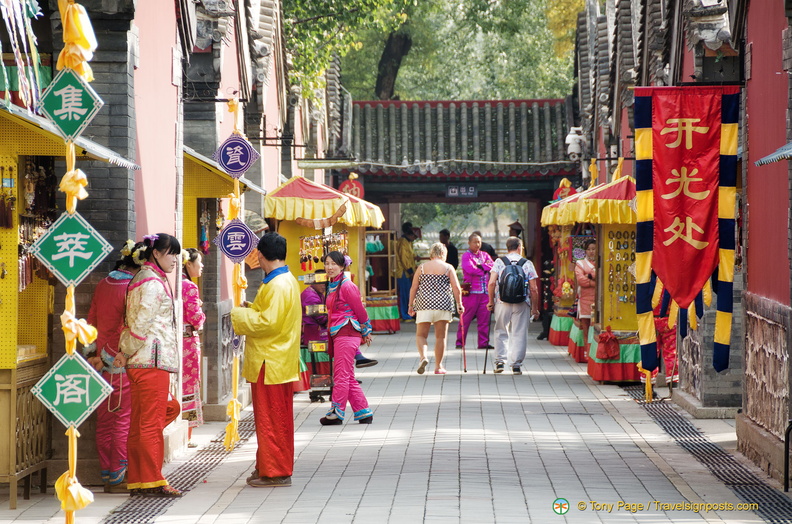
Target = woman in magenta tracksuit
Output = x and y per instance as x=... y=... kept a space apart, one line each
x=476 y=266
x=348 y=326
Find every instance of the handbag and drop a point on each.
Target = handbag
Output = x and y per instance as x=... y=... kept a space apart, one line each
x=608 y=345
x=572 y=312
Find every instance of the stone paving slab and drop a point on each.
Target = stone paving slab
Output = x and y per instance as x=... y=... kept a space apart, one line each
x=464 y=447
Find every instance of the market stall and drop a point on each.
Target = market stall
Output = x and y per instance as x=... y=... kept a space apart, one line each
x=31 y=151
x=560 y=218
x=610 y=208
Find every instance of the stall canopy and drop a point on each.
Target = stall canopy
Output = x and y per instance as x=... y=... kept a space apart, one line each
x=564 y=212
x=301 y=198
x=47 y=130
x=610 y=203
x=225 y=181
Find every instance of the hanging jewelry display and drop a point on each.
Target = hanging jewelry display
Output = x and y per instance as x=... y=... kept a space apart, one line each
x=38 y=185
x=315 y=248
x=203 y=241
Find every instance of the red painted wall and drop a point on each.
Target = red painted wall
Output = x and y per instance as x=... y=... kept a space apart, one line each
x=767 y=189
x=156 y=111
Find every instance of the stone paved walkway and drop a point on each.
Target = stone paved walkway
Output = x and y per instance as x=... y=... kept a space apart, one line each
x=464 y=447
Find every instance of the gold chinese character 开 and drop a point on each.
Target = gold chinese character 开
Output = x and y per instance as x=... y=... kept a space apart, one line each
x=684 y=126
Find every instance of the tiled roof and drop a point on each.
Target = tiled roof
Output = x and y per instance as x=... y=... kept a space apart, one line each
x=507 y=137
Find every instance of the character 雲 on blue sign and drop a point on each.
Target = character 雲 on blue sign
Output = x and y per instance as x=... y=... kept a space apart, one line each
x=236 y=240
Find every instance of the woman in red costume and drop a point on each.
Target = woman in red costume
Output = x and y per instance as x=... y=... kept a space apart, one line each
x=112 y=415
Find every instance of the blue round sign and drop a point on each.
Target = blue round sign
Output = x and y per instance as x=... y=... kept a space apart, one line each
x=236 y=241
x=236 y=155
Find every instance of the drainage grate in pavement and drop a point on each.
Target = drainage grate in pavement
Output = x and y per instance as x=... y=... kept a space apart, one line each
x=143 y=510
x=774 y=506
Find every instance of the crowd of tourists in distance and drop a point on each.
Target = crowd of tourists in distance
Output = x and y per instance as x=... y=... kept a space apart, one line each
x=137 y=350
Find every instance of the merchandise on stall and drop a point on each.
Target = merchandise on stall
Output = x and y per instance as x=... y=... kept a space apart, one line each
x=559 y=217
x=382 y=304
x=610 y=207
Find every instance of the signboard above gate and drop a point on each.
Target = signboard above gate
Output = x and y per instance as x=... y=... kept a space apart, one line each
x=462 y=191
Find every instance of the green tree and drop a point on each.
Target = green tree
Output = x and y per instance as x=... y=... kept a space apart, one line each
x=466 y=49
x=318 y=30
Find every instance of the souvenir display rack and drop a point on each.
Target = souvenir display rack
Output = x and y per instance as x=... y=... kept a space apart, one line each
x=314 y=249
x=616 y=305
x=563 y=285
x=382 y=304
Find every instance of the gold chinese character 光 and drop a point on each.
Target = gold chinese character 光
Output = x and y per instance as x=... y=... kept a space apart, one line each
x=684 y=180
x=684 y=126
x=688 y=227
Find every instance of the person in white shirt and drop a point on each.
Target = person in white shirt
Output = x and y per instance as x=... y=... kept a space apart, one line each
x=512 y=319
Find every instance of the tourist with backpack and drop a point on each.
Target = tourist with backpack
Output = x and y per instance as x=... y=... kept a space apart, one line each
x=514 y=296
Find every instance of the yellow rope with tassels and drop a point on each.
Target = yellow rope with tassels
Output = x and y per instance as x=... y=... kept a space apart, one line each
x=79 y=44
x=239 y=285
x=71 y=494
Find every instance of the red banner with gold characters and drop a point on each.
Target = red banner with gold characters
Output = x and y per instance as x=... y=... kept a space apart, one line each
x=685 y=185
x=686 y=132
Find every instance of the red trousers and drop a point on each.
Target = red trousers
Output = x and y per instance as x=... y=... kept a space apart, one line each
x=146 y=445
x=273 y=411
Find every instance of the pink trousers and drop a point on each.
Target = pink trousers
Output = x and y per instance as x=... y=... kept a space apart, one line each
x=475 y=307
x=112 y=426
x=345 y=387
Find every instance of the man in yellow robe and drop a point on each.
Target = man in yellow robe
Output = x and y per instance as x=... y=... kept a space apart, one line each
x=271 y=325
x=405 y=268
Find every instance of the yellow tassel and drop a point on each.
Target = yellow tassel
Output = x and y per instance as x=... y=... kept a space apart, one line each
x=648 y=377
x=73 y=328
x=78 y=39
x=233 y=409
x=707 y=293
x=593 y=170
x=70 y=493
x=658 y=294
x=692 y=318
x=673 y=313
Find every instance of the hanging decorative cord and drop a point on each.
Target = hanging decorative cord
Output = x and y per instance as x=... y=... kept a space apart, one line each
x=79 y=45
x=239 y=285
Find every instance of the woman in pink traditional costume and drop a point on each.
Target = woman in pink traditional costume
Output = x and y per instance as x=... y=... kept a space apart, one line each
x=192 y=322
x=586 y=276
x=349 y=325
x=113 y=414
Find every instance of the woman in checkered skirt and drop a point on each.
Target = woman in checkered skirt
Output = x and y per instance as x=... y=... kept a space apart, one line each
x=435 y=289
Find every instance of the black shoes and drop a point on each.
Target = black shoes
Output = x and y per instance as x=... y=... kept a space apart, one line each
x=366 y=363
x=367 y=420
x=330 y=421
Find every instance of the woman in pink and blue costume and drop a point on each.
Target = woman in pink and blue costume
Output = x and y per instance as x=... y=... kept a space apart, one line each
x=348 y=325
x=476 y=266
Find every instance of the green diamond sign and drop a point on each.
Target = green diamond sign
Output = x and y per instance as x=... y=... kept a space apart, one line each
x=71 y=390
x=71 y=249
x=70 y=103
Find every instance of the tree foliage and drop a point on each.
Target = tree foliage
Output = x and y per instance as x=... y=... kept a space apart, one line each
x=317 y=30
x=562 y=22
x=469 y=49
